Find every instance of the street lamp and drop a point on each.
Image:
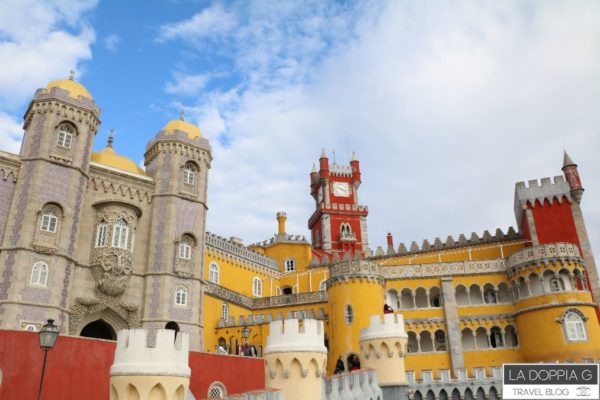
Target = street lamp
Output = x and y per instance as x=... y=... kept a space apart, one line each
x=245 y=333
x=48 y=335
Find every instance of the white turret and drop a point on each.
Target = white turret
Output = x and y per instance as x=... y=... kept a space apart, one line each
x=143 y=372
x=382 y=347
x=296 y=358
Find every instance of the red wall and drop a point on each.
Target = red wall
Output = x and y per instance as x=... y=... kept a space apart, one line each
x=554 y=222
x=78 y=368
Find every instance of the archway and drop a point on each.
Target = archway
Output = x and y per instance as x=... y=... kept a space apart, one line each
x=99 y=329
x=287 y=290
x=172 y=325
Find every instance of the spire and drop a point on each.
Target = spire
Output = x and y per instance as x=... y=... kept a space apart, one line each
x=314 y=169
x=323 y=155
x=71 y=75
x=182 y=115
x=111 y=138
x=567 y=160
x=354 y=158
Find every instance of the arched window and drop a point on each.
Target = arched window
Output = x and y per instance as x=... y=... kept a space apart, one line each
x=39 y=274
x=49 y=221
x=290 y=265
x=181 y=295
x=556 y=284
x=120 y=234
x=496 y=337
x=348 y=314
x=189 y=174
x=101 y=235
x=65 y=135
x=225 y=312
x=216 y=391
x=323 y=285
x=256 y=287
x=574 y=326
x=185 y=248
x=213 y=273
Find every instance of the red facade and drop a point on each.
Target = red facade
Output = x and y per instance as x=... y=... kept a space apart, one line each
x=78 y=368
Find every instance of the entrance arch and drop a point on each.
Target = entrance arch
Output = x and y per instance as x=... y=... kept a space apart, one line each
x=99 y=329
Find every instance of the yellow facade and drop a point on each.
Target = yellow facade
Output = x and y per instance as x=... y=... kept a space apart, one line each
x=493 y=328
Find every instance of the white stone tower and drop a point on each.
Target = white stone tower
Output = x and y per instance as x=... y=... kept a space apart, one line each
x=296 y=358
x=382 y=348
x=140 y=372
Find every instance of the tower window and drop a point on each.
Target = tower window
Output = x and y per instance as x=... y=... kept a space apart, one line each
x=49 y=221
x=65 y=136
x=323 y=285
x=120 y=234
x=348 y=314
x=181 y=296
x=189 y=174
x=574 y=326
x=101 y=235
x=256 y=287
x=289 y=265
x=213 y=273
x=185 y=248
x=39 y=274
x=556 y=285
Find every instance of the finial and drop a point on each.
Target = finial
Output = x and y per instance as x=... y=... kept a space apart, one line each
x=314 y=168
x=354 y=158
x=111 y=138
x=182 y=115
x=72 y=75
x=323 y=155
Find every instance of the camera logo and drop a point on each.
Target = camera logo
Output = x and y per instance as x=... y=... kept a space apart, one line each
x=583 y=391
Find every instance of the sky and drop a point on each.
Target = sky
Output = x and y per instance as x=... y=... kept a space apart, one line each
x=446 y=104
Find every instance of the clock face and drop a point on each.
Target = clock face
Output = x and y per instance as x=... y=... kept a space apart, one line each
x=341 y=189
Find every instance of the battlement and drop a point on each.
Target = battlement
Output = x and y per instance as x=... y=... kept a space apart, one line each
x=546 y=189
x=341 y=170
x=289 y=336
x=169 y=356
x=392 y=326
x=234 y=248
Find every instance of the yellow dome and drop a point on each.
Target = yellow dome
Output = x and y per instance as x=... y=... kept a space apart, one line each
x=75 y=89
x=193 y=132
x=110 y=158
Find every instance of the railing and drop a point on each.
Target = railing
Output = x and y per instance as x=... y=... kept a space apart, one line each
x=543 y=252
x=290 y=299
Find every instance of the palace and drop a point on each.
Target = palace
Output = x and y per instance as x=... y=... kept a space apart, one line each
x=98 y=244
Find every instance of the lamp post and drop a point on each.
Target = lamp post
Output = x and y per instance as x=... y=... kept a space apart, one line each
x=245 y=333
x=48 y=335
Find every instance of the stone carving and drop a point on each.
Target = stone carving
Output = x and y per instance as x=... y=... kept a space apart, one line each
x=84 y=306
x=111 y=266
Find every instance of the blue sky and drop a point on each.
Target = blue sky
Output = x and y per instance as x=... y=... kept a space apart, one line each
x=447 y=104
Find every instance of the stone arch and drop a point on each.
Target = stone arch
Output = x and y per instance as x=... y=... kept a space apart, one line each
x=439 y=340
x=462 y=297
x=455 y=394
x=114 y=395
x=157 y=393
x=430 y=395
x=385 y=350
x=412 y=343
x=564 y=275
x=535 y=284
x=493 y=393
x=503 y=293
x=480 y=393
x=496 y=337
x=475 y=294
x=406 y=299
x=115 y=321
x=132 y=392
x=579 y=279
x=347 y=359
x=468 y=394
x=392 y=299
x=481 y=338
x=180 y=393
x=421 y=300
x=279 y=368
x=426 y=341
x=313 y=368
x=467 y=339
x=523 y=289
x=418 y=395
x=435 y=297
x=443 y=395
x=489 y=294
x=510 y=336
x=296 y=369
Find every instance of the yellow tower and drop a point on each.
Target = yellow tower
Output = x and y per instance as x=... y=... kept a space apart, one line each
x=355 y=291
x=140 y=372
x=295 y=358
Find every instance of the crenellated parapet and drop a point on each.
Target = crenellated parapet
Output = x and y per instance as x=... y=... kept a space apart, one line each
x=296 y=358
x=353 y=270
x=241 y=253
x=361 y=384
x=537 y=192
x=382 y=348
x=142 y=372
x=544 y=253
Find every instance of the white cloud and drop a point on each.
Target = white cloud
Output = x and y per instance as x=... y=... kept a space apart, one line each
x=187 y=85
x=39 y=41
x=11 y=133
x=112 y=41
x=447 y=107
x=211 y=22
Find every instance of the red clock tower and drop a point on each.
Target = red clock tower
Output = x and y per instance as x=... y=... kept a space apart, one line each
x=339 y=223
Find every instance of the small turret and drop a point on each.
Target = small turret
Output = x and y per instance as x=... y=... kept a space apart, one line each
x=281 y=218
x=354 y=164
x=572 y=176
x=390 y=243
x=313 y=178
